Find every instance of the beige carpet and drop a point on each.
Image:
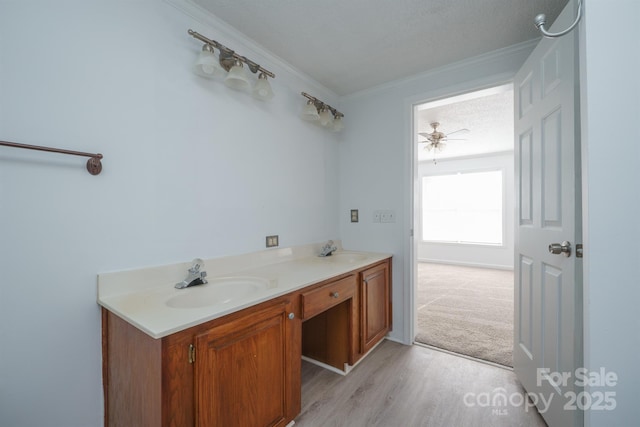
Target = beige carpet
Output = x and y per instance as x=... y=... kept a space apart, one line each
x=466 y=310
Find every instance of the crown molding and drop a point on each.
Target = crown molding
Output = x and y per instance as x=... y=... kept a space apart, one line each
x=515 y=49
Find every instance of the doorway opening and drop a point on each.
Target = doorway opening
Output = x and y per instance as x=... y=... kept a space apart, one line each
x=464 y=224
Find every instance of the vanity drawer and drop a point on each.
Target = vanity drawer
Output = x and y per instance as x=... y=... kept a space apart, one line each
x=326 y=296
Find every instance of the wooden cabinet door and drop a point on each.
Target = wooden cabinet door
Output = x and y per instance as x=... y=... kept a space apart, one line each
x=242 y=369
x=375 y=313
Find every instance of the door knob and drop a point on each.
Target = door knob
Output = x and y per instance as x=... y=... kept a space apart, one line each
x=560 y=248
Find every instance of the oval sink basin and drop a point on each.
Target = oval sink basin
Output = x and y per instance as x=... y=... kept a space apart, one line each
x=220 y=291
x=348 y=257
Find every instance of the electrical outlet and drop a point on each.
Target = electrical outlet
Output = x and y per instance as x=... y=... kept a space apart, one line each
x=376 y=216
x=354 y=215
x=272 y=241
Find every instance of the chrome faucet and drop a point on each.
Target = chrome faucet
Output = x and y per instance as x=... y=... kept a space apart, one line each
x=328 y=249
x=195 y=276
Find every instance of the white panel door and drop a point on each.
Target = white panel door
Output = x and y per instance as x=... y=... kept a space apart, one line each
x=548 y=322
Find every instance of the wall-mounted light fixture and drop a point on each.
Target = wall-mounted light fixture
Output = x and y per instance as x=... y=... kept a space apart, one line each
x=230 y=64
x=321 y=113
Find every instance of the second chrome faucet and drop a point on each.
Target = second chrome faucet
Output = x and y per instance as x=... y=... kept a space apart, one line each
x=328 y=249
x=195 y=275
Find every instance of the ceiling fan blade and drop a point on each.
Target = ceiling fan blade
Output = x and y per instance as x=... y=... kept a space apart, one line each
x=426 y=135
x=463 y=131
x=456 y=139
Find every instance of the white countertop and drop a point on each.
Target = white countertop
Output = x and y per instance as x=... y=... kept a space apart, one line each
x=141 y=296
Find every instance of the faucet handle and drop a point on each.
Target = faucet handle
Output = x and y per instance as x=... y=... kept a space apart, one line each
x=196 y=265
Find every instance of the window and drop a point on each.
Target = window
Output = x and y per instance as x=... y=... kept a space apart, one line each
x=463 y=208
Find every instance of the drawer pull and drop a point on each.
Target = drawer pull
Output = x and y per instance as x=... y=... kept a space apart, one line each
x=291 y=316
x=328 y=295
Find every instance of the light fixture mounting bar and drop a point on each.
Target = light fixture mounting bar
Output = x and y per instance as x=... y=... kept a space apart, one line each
x=319 y=105
x=227 y=55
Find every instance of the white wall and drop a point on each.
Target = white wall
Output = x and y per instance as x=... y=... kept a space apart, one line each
x=465 y=254
x=376 y=160
x=611 y=139
x=191 y=168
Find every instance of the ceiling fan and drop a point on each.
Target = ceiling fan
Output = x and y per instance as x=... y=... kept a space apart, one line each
x=436 y=139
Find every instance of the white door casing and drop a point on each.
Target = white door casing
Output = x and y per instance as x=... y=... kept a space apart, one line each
x=548 y=323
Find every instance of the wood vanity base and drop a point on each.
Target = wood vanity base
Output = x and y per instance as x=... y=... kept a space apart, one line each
x=242 y=369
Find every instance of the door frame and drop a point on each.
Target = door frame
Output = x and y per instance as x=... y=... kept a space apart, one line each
x=412 y=187
x=411 y=196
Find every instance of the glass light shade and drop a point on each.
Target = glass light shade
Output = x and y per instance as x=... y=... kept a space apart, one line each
x=237 y=77
x=325 y=117
x=262 y=88
x=309 y=112
x=207 y=65
x=338 y=124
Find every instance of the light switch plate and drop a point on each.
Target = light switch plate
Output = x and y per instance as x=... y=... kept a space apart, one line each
x=384 y=216
x=388 y=216
x=354 y=215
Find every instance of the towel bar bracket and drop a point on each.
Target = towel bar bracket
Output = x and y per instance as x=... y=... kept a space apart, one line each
x=94 y=165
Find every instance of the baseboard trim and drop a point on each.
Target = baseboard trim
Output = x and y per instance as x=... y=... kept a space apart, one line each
x=399 y=341
x=347 y=368
x=327 y=367
x=467 y=264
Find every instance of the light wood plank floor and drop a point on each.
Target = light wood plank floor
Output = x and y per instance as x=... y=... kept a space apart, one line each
x=406 y=386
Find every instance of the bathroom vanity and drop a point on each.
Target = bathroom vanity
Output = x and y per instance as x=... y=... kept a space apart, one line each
x=170 y=359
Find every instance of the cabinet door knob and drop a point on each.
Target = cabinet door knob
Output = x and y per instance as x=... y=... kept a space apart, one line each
x=291 y=316
x=335 y=294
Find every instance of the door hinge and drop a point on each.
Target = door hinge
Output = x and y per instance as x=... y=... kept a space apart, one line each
x=192 y=353
x=579 y=250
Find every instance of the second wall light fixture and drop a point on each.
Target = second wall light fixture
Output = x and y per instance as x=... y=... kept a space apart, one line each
x=321 y=113
x=231 y=65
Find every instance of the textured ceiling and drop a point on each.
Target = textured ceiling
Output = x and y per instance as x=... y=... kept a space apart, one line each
x=488 y=115
x=353 y=45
